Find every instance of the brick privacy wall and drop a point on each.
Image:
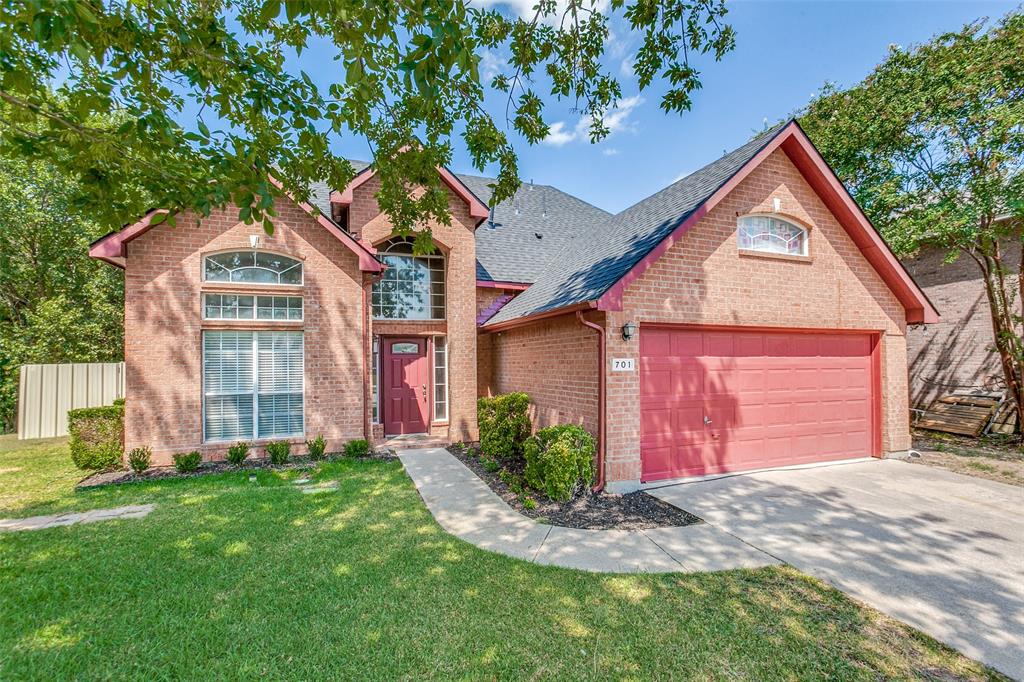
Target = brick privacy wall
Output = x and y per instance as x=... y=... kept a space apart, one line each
x=458 y=242
x=554 y=362
x=956 y=353
x=702 y=279
x=163 y=328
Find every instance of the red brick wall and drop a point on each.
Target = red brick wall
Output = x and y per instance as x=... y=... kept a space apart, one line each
x=957 y=352
x=555 y=363
x=163 y=325
x=458 y=242
x=702 y=279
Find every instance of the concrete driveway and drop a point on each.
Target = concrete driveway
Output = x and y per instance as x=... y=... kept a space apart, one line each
x=940 y=551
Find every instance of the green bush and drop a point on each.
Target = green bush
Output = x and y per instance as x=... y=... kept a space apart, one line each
x=238 y=452
x=186 y=462
x=316 y=447
x=504 y=422
x=96 y=437
x=139 y=459
x=357 y=448
x=560 y=460
x=279 y=451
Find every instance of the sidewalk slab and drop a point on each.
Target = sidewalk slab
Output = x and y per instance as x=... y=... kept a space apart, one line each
x=91 y=516
x=466 y=507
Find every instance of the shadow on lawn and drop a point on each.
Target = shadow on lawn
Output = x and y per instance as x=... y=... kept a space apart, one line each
x=235 y=580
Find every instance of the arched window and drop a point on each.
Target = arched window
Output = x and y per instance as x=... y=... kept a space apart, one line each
x=252 y=267
x=771 y=235
x=412 y=287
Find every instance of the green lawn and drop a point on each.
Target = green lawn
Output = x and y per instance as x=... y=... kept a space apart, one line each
x=229 y=578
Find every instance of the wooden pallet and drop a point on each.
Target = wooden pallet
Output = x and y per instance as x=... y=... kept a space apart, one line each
x=1005 y=419
x=965 y=415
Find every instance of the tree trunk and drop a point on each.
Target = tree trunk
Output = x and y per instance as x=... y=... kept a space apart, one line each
x=1007 y=340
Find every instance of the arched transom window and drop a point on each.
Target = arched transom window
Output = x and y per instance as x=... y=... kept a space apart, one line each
x=252 y=267
x=771 y=235
x=412 y=287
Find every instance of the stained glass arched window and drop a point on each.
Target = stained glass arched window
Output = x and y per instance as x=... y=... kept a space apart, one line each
x=771 y=235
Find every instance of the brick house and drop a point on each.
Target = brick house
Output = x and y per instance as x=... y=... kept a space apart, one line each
x=958 y=353
x=746 y=316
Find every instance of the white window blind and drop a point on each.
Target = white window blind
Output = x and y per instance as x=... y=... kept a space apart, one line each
x=440 y=378
x=252 y=384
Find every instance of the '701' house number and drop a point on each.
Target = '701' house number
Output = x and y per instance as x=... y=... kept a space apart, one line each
x=623 y=364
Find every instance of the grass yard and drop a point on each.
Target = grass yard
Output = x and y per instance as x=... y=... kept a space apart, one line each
x=229 y=579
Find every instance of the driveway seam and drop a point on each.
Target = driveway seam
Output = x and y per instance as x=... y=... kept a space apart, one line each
x=667 y=553
x=541 y=545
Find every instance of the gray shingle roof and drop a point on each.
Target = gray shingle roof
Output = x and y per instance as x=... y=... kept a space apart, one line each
x=528 y=230
x=508 y=249
x=598 y=257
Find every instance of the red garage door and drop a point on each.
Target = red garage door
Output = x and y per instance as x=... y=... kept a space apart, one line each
x=730 y=400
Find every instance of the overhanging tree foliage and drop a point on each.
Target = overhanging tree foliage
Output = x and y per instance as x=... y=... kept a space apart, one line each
x=406 y=79
x=932 y=146
x=56 y=304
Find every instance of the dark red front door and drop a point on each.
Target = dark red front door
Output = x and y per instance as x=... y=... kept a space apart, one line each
x=406 y=376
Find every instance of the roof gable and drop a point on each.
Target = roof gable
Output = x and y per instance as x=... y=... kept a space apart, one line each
x=112 y=248
x=595 y=268
x=477 y=208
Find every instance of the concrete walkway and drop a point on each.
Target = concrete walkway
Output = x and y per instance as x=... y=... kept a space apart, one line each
x=941 y=551
x=466 y=507
x=91 y=516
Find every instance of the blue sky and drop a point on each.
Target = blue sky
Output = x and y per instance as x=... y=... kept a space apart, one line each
x=784 y=52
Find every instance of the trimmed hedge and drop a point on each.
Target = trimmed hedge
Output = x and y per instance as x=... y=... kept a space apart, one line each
x=315 y=448
x=187 y=462
x=278 y=451
x=504 y=422
x=97 y=436
x=560 y=461
x=238 y=452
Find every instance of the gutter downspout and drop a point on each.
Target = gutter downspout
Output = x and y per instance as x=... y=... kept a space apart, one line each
x=599 y=485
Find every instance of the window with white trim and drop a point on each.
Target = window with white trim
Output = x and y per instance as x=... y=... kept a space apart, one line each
x=440 y=379
x=252 y=385
x=246 y=307
x=771 y=235
x=412 y=287
x=252 y=267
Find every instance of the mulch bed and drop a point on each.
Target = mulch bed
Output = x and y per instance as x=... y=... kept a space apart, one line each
x=601 y=511
x=208 y=468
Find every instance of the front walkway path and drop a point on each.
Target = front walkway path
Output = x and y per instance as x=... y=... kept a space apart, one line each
x=67 y=519
x=466 y=507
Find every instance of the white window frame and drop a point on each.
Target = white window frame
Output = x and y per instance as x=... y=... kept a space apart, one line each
x=430 y=261
x=298 y=263
x=433 y=379
x=375 y=379
x=255 y=307
x=806 y=234
x=256 y=436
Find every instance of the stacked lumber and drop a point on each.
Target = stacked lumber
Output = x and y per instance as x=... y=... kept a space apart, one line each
x=966 y=415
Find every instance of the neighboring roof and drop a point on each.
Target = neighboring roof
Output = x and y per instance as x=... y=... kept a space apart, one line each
x=508 y=248
x=597 y=264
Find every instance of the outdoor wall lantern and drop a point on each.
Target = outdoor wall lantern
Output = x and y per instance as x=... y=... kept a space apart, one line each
x=628 y=331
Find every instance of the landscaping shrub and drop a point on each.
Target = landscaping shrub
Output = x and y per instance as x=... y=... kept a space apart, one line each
x=186 y=462
x=316 y=447
x=560 y=460
x=96 y=436
x=504 y=422
x=139 y=459
x=278 y=452
x=238 y=452
x=357 y=448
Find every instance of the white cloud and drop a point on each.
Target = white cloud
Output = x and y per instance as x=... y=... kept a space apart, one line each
x=558 y=135
x=616 y=120
x=626 y=66
x=491 y=64
x=610 y=151
x=524 y=9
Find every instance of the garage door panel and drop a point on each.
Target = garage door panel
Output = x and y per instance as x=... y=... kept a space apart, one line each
x=772 y=399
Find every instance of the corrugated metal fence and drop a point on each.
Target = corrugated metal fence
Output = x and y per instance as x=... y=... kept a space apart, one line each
x=47 y=392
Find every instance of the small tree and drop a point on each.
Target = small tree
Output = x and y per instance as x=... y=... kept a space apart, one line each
x=932 y=146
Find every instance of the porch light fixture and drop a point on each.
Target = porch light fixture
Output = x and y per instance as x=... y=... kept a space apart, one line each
x=628 y=331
